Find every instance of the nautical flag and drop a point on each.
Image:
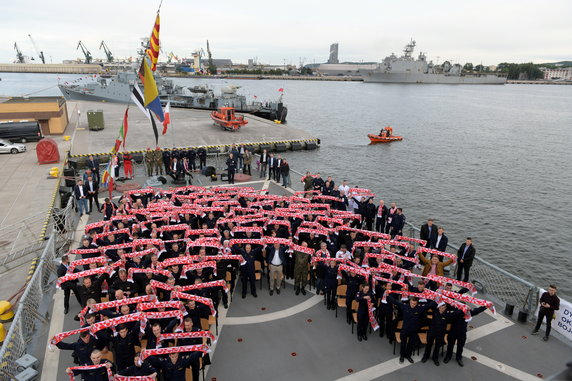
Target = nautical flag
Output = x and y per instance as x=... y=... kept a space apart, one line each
x=155 y=131
x=153 y=50
x=167 y=120
x=124 y=128
x=116 y=146
x=150 y=93
x=281 y=89
x=137 y=97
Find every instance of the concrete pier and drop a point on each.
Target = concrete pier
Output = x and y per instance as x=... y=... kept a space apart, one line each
x=189 y=128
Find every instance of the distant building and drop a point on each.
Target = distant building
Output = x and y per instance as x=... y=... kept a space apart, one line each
x=218 y=62
x=333 y=54
x=564 y=74
x=343 y=69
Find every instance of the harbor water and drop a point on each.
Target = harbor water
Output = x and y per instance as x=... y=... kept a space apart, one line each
x=490 y=162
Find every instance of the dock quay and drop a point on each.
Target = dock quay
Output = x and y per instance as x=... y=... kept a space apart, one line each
x=189 y=128
x=52 y=68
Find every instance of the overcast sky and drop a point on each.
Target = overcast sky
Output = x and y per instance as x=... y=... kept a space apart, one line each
x=273 y=31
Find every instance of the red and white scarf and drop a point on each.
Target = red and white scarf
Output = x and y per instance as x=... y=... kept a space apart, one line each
x=206 y=301
x=186 y=335
x=164 y=351
x=110 y=376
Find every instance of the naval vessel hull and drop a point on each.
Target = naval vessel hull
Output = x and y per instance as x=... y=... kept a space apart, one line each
x=85 y=95
x=436 y=78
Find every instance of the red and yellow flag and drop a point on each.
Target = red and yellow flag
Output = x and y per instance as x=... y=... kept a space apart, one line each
x=153 y=51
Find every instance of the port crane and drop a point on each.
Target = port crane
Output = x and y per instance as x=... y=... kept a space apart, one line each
x=106 y=50
x=19 y=56
x=212 y=67
x=86 y=53
x=38 y=51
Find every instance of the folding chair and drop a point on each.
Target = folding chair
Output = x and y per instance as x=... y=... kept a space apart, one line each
x=341 y=297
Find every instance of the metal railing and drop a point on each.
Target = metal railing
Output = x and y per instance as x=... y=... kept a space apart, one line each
x=32 y=310
x=496 y=284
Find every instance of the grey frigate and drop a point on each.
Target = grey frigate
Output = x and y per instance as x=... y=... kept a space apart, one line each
x=118 y=89
x=406 y=69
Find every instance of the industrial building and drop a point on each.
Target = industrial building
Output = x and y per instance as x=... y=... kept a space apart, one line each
x=50 y=112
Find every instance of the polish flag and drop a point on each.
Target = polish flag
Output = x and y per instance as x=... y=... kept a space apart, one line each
x=167 y=120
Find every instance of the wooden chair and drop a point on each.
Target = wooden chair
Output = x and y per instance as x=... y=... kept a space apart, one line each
x=108 y=356
x=397 y=334
x=341 y=297
x=205 y=326
x=397 y=340
x=258 y=272
x=422 y=340
x=213 y=320
x=228 y=280
x=354 y=307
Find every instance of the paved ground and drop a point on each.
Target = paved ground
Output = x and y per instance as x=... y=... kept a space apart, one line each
x=25 y=193
x=189 y=128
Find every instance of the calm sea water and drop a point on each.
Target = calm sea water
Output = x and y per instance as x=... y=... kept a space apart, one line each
x=490 y=162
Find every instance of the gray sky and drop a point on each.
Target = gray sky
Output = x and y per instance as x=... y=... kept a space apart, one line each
x=482 y=31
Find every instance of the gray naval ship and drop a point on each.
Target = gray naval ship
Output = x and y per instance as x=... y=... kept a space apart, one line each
x=118 y=89
x=406 y=69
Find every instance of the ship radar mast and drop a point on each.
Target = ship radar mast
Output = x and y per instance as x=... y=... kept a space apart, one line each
x=408 y=51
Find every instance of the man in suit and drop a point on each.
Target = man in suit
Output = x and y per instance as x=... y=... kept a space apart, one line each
x=263 y=163
x=465 y=257
x=433 y=266
x=271 y=163
x=428 y=232
x=93 y=165
x=277 y=165
x=440 y=242
x=381 y=217
x=68 y=286
x=397 y=223
x=92 y=193
x=80 y=194
x=231 y=165
x=176 y=169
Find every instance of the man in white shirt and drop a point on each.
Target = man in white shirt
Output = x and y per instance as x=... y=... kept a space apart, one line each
x=343 y=253
x=344 y=187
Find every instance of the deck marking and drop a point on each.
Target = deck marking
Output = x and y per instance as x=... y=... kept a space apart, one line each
x=275 y=315
x=500 y=367
x=52 y=357
x=499 y=324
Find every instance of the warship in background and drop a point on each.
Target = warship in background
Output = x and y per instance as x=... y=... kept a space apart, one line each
x=406 y=69
x=118 y=89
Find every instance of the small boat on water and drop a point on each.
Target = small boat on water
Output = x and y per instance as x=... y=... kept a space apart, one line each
x=227 y=119
x=385 y=136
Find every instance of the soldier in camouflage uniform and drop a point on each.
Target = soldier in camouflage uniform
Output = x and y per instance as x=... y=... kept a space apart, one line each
x=301 y=261
x=149 y=161
x=158 y=161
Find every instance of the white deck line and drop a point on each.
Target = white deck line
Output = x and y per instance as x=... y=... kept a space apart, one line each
x=52 y=356
x=275 y=315
x=499 y=324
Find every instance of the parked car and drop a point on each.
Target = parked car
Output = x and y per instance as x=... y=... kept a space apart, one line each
x=8 y=147
x=20 y=131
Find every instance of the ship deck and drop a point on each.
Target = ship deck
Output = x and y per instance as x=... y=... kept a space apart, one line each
x=285 y=337
x=189 y=128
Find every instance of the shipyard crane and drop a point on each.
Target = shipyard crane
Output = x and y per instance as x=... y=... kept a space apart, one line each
x=38 y=51
x=212 y=67
x=107 y=51
x=19 y=56
x=86 y=53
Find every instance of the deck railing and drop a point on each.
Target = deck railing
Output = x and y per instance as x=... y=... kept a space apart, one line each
x=32 y=310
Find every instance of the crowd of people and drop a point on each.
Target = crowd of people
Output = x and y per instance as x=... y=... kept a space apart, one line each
x=161 y=262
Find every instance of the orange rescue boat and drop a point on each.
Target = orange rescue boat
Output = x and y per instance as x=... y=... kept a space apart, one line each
x=226 y=118
x=385 y=136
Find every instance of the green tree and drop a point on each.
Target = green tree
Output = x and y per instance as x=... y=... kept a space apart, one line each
x=479 y=68
x=468 y=67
